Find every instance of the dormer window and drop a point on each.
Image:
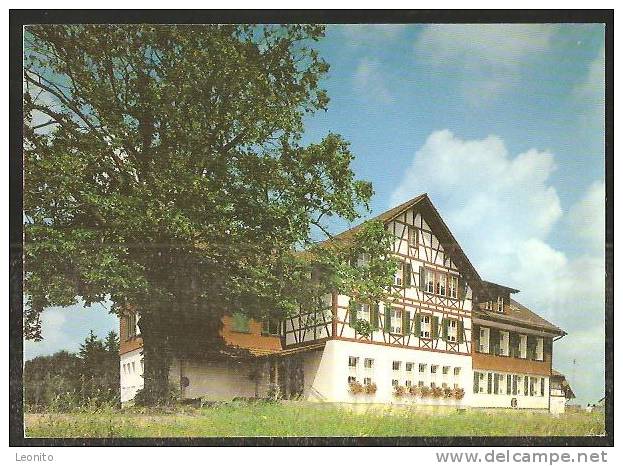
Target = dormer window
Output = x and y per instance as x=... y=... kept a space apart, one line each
x=489 y=305
x=412 y=236
x=500 y=304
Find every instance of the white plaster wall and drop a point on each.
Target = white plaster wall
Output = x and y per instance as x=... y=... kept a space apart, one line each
x=328 y=373
x=557 y=405
x=130 y=374
x=490 y=400
x=218 y=380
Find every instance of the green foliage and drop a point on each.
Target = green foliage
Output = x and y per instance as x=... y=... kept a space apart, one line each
x=362 y=327
x=66 y=381
x=164 y=170
x=284 y=420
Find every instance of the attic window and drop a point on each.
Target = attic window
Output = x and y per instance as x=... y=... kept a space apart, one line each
x=500 y=304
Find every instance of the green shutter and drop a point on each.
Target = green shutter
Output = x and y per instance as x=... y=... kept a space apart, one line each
x=422 y=279
x=526 y=382
x=406 y=274
x=417 y=324
x=508 y=384
x=374 y=316
x=489 y=380
x=434 y=327
x=240 y=322
x=476 y=382
x=461 y=293
x=460 y=336
x=444 y=328
x=406 y=323
x=388 y=319
x=352 y=312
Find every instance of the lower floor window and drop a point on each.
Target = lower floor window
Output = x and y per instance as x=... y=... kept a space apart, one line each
x=352 y=379
x=367 y=381
x=394 y=383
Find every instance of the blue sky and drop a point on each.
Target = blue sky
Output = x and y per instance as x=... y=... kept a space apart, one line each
x=503 y=126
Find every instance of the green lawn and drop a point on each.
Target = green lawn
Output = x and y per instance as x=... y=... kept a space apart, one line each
x=279 y=420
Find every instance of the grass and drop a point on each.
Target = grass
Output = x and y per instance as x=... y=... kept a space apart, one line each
x=283 y=420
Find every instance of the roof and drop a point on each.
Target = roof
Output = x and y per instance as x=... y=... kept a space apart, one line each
x=520 y=314
x=442 y=232
x=564 y=384
x=497 y=286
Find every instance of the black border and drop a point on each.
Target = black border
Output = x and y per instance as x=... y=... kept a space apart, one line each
x=18 y=18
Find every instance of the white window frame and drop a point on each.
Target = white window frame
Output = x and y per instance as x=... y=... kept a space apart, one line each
x=399 y=276
x=540 y=343
x=453 y=286
x=396 y=363
x=452 y=330
x=368 y=363
x=500 y=304
x=483 y=346
x=504 y=343
x=363 y=312
x=430 y=280
x=523 y=346
x=395 y=322
x=352 y=359
x=412 y=236
x=425 y=326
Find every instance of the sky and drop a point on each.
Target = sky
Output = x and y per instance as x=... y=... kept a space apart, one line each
x=502 y=126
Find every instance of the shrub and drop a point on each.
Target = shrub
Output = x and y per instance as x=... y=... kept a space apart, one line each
x=414 y=390
x=355 y=387
x=399 y=390
x=437 y=392
x=363 y=327
x=371 y=389
x=425 y=391
x=458 y=393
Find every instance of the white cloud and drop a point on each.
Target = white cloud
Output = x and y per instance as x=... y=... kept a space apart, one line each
x=590 y=94
x=370 y=81
x=503 y=209
x=368 y=34
x=587 y=218
x=489 y=57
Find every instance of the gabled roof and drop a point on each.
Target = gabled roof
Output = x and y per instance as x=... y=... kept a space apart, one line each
x=520 y=314
x=442 y=232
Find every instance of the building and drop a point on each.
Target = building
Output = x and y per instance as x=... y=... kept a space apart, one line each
x=561 y=392
x=451 y=339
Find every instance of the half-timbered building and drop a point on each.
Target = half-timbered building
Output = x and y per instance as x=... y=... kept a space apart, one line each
x=451 y=338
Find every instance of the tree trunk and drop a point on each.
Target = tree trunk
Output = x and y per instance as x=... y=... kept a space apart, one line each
x=157 y=361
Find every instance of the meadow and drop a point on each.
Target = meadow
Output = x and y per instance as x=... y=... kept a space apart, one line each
x=284 y=420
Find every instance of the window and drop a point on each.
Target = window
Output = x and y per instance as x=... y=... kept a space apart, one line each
x=270 y=326
x=433 y=385
x=445 y=370
x=520 y=385
x=483 y=347
x=133 y=367
x=352 y=361
x=394 y=383
x=352 y=379
x=363 y=259
x=444 y=385
x=489 y=306
x=240 y=322
x=542 y=386
x=532 y=386
x=422 y=367
x=420 y=383
x=396 y=365
x=367 y=380
x=440 y=286
x=430 y=281
x=456 y=385
x=433 y=368
x=425 y=327
x=500 y=304
x=413 y=236
x=453 y=283
x=399 y=277
x=408 y=366
x=452 y=330
x=457 y=371
x=523 y=346
x=368 y=363
x=504 y=343
x=396 y=320
x=363 y=312
x=131 y=325
x=539 y=349
x=407 y=383
x=137 y=330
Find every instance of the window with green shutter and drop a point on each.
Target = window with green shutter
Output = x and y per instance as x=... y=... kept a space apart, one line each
x=406 y=322
x=387 y=324
x=240 y=322
x=374 y=316
x=417 y=324
x=435 y=327
x=406 y=274
x=444 y=328
x=476 y=382
x=460 y=332
x=489 y=381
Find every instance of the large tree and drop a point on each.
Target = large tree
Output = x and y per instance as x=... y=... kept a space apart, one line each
x=165 y=171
